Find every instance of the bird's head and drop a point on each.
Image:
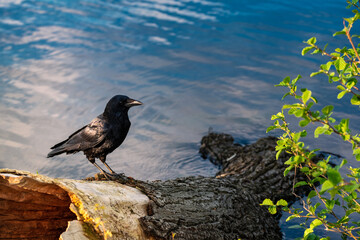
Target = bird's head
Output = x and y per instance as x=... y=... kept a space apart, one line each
x=120 y=103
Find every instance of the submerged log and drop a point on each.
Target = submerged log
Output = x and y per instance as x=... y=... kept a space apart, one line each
x=223 y=207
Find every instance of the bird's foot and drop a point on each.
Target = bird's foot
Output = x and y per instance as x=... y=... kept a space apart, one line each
x=120 y=177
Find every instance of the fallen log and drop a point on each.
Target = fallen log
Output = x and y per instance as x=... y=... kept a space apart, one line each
x=227 y=206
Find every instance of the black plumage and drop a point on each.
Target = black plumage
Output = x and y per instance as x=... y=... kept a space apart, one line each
x=102 y=135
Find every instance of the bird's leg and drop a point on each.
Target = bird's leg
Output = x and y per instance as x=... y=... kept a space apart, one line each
x=103 y=160
x=109 y=168
x=106 y=174
x=119 y=177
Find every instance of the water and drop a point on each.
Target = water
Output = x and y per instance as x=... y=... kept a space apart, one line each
x=195 y=64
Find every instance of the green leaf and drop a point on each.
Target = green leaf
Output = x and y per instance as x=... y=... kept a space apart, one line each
x=335 y=79
x=316 y=51
x=356 y=151
x=278 y=154
x=349 y=20
x=357 y=16
x=351 y=187
x=340 y=64
x=341 y=94
x=326 y=186
x=340 y=87
x=290 y=160
x=344 y=219
x=332 y=120
x=330 y=204
x=319 y=130
x=299 y=113
x=334 y=176
x=292 y=111
x=287 y=170
x=286 y=80
x=286 y=106
x=355 y=100
x=343 y=127
x=315 y=73
x=291 y=217
x=267 y=202
x=294 y=81
x=314 y=99
x=282 y=202
x=304 y=122
x=311 y=236
x=271 y=128
x=305 y=169
x=279 y=115
x=327 y=110
x=351 y=83
x=296 y=136
x=311 y=194
x=272 y=209
x=306 y=96
x=307 y=232
x=311 y=40
x=301 y=183
x=306 y=49
x=343 y=162
x=339 y=33
x=303 y=133
x=285 y=95
x=315 y=223
x=326 y=66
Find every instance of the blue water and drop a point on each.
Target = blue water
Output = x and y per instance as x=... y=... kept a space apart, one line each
x=195 y=64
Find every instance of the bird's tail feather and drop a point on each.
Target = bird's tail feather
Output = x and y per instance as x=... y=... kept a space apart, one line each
x=56 y=151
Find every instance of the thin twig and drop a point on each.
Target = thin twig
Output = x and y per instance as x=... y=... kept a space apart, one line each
x=347 y=31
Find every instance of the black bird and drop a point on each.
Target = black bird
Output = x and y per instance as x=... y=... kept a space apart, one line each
x=102 y=135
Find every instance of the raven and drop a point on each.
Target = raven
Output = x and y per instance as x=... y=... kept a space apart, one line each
x=102 y=135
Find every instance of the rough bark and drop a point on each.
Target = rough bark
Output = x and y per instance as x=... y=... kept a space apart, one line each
x=207 y=208
x=226 y=206
x=255 y=164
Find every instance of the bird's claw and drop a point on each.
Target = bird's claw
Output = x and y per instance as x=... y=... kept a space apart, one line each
x=115 y=176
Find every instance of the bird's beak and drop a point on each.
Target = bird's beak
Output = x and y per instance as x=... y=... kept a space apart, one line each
x=132 y=102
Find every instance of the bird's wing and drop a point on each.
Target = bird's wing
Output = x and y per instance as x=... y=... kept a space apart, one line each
x=61 y=143
x=86 y=137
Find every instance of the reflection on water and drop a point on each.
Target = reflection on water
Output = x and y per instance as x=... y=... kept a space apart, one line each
x=194 y=63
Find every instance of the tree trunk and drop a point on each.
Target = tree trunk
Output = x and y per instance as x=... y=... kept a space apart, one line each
x=223 y=207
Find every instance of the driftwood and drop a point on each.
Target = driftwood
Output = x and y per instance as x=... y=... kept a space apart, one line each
x=223 y=207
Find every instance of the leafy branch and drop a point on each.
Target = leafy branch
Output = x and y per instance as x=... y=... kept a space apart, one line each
x=337 y=191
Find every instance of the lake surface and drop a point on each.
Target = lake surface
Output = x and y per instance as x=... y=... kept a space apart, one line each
x=195 y=64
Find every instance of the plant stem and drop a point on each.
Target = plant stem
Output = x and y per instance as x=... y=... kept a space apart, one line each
x=347 y=31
